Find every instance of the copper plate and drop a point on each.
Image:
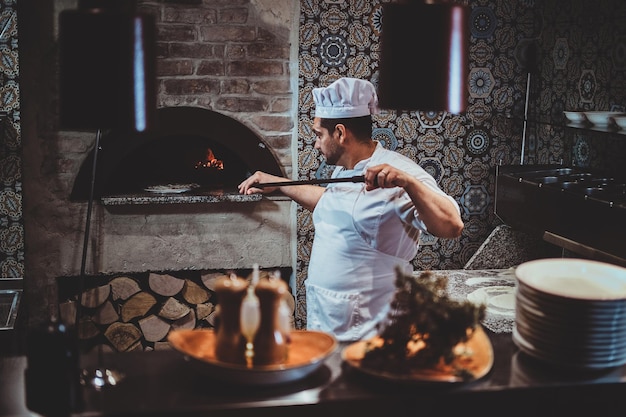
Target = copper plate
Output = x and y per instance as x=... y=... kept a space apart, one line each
x=307 y=352
x=474 y=356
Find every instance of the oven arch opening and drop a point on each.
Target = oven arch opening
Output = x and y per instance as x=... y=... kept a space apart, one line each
x=169 y=154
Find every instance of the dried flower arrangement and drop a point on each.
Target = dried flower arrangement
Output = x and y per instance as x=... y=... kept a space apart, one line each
x=423 y=326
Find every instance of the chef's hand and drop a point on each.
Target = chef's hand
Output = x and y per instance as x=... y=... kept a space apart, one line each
x=384 y=176
x=247 y=186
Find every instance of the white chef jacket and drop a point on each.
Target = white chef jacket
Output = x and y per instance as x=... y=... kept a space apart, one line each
x=360 y=238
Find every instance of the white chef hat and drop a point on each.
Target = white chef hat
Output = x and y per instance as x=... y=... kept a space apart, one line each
x=346 y=97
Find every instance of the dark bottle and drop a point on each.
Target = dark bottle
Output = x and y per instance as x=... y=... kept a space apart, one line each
x=52 y=376
x=230 y=345
x=270 y=343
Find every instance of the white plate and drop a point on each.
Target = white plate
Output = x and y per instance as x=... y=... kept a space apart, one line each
x=575 y=116
x=574 y=278
x=556 y=359
x=602 y=118
x=620 y=121
x=497 y=299
x=558 y=305
x=557 y=327
x=170 y=188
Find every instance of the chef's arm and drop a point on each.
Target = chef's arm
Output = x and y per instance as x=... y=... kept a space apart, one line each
x=438 y=211
x=440 y=215
x=305 y=195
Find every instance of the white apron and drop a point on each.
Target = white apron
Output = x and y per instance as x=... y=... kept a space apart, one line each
x=350 y=284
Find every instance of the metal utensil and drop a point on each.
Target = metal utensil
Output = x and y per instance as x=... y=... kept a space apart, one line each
x=358 y=178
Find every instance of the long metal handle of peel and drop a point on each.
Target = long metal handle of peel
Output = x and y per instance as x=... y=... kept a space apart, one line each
x=358 y=178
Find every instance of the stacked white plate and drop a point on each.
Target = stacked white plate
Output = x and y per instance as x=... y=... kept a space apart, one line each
x=571 y=312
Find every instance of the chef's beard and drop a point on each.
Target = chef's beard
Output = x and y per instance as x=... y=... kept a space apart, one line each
x=333 y=154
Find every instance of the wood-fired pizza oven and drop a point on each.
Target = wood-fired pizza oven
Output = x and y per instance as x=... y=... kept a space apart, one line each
x=189 y=146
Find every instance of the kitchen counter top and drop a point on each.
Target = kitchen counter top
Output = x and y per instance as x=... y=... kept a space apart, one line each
x=165 y=383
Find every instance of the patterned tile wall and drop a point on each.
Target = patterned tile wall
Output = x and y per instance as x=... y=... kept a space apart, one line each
x=583 y=61
x=11 y=221
x=582 y=67
x=341 y=38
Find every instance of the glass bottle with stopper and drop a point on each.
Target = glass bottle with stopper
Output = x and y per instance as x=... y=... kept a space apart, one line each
x=250 y=317
x=230 y=346
x=285 y=312
x=271 y=341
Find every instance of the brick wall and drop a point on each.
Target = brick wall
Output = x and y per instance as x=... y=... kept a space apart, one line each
x=231 y=56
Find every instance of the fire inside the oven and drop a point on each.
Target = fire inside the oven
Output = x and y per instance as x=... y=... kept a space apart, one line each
x=211 y=162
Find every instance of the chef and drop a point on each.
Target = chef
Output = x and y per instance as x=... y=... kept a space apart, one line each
x=363 y=231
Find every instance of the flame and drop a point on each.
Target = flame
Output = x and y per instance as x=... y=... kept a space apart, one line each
x=210 y=162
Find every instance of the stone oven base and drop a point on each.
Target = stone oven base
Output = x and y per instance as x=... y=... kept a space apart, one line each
x=185 y=235
x=129 y=312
